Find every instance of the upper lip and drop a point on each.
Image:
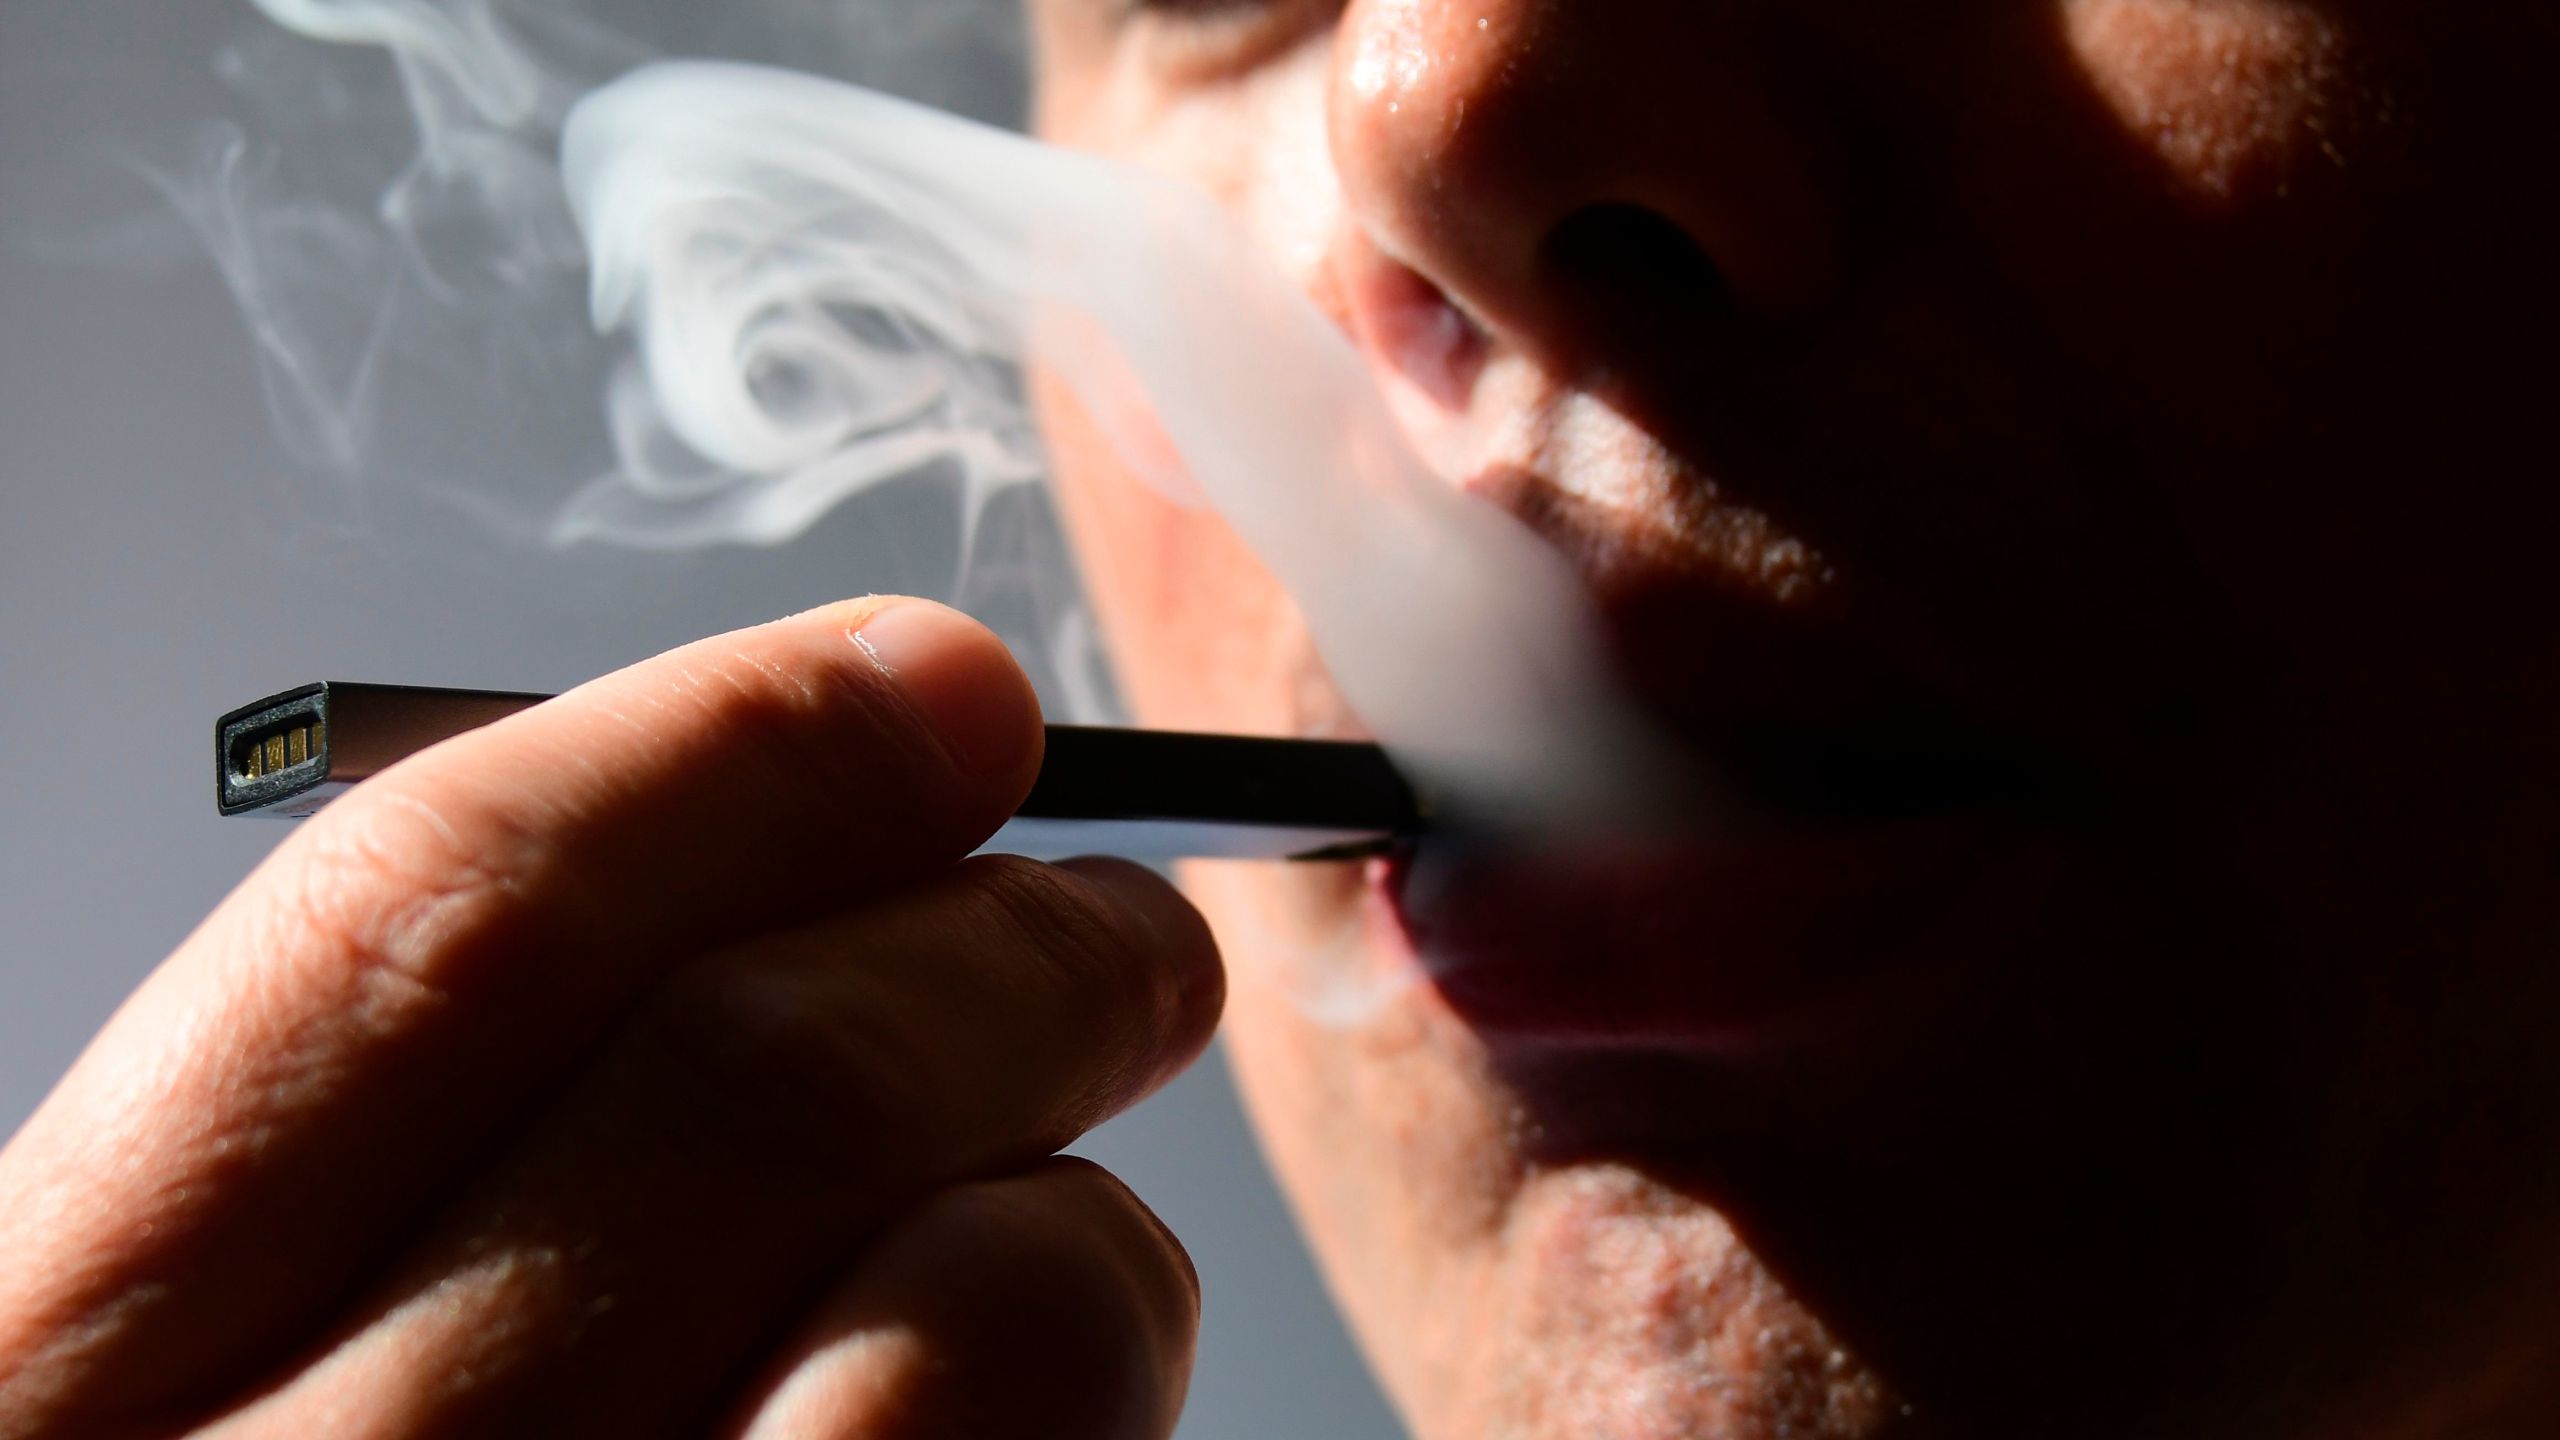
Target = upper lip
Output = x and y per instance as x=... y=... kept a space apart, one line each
x=1856 y=792
x=1727 y=626
x=1791 y=713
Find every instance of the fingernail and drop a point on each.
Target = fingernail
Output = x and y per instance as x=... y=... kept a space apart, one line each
x=960 y=679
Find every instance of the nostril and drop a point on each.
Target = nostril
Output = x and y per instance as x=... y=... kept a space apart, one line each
x=1413 y=328
x=1629 y=245
x=1619 y=266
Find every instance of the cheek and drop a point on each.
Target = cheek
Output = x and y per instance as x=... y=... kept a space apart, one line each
x=1256 y=142
x=2232 y=96
x=1203 y=637
x=1287 y=193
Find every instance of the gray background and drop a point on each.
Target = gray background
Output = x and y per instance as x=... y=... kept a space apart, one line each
x=157 y=567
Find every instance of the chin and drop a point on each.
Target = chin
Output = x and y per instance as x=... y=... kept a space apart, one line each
x=1502 y=1281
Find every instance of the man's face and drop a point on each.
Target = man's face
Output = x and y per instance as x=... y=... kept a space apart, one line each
x=2061 y=467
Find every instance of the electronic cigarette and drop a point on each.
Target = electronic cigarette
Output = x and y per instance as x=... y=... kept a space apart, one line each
x=1149 y=794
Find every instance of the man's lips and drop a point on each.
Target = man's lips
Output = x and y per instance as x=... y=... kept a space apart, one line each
x=1840 y=808
x=1720 y=942
x=1845 y=799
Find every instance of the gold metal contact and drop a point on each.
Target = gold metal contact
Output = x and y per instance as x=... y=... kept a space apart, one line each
x=269 y=754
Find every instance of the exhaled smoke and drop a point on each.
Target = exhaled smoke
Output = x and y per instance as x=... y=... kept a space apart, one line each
x=828 y=288
x=809 y=265
x=391 y=219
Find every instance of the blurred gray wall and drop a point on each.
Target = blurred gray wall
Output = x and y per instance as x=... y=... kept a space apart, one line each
x=153 y=573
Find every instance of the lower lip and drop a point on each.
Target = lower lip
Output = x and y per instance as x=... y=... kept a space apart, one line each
x=1730 y=944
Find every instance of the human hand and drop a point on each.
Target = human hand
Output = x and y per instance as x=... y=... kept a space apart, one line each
x=651 y=1062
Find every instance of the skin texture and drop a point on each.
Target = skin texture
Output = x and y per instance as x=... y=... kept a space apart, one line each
x=2061 y=467
x=2109 y=403
x=496 y=1102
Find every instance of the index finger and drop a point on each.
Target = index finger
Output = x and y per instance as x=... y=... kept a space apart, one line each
x=270 y=1108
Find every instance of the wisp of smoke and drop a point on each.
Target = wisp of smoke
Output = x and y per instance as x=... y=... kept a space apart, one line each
x=825 y=288
x=786 y=247
x=388 y=214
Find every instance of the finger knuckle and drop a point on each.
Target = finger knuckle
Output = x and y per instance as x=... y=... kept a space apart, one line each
x=805 y=719
x=738 y=1065
x=1115 y=1296
x=396 y=897
x=1082 y=945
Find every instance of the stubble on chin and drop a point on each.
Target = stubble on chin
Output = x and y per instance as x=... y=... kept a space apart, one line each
x=1623 y=1308
x=1500 y=1297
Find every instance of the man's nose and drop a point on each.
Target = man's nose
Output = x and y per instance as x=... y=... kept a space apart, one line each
x=1558 y=169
